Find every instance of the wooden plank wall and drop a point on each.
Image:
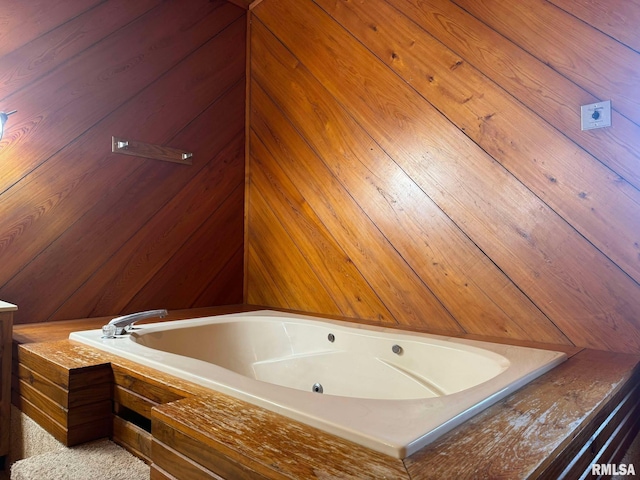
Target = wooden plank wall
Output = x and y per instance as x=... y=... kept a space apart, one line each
x=84 y=232
x=420 y=163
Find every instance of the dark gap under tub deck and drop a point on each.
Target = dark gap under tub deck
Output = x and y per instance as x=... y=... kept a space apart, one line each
x=586 y=408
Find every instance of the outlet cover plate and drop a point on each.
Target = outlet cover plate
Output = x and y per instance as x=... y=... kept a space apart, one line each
x=595 y=115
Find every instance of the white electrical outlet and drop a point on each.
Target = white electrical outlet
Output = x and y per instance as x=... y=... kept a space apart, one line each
x=595 y=115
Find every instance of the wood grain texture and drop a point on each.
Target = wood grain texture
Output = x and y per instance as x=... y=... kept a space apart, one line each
x=411 y=162
x=330 y=263
x=68 y=436
x=43 y=53
x=68 y=418
x=376 y=196
x=100 y=79
x=282 y=449
x=600 y=448
x=536 y=429
x=22 y=22
x=392 y=278
x=6 y=324
x=134 y=439
x=213 y=251
x=274 y=272
x=422 y=119
x=62 y=396
x=169 y=440
x=133 y=401
x=537 y=156
x=181 y=466
x=617 y=18
x=246 y=4
x=74 y=402
x=142 y=256
x=158 y=474
x=532 y=82
x=533 y=429
x=83 y=231
x=558 y=39
x=152 y=391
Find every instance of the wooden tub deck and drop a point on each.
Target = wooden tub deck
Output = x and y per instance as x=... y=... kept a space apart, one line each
x=583 y=410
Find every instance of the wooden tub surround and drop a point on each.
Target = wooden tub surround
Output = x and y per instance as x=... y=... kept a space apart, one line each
x=585 y=410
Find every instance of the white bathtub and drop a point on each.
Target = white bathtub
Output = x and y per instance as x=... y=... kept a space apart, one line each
x=394 y=403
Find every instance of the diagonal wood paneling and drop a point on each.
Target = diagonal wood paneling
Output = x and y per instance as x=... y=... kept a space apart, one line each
x=85 y=232
x=532 y=82
x=22 y=22
x=335 y=270
x=542 y=160
x=393 y=278
x=617 y=18
x=439 y=125
x=69 y=100
x=390 y=201
x=598 y=63
x=43 y=53
x=134 y=264
x=412 y=162
x=277 y=269
x=175 y=284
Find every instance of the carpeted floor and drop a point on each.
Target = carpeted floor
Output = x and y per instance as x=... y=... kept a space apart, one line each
x=101 y=459
x=36 y=455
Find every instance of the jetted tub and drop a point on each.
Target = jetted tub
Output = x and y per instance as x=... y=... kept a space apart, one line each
x=388 y=390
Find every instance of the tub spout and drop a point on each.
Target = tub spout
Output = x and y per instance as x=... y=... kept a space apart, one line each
x=122 y=325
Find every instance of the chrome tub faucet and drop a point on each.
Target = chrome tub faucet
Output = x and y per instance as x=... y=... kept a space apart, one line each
x=124 y=324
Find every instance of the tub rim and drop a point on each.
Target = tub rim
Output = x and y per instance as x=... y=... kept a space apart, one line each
x=399 y=432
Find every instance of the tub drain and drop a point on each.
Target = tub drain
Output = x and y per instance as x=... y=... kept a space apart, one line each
x=317 y=387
